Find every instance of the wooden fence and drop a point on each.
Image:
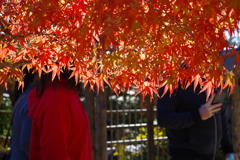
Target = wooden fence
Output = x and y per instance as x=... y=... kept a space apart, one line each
x=124 y=127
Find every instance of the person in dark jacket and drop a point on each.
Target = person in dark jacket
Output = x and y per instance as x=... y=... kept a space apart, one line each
x=195 y=128
x=21 y=123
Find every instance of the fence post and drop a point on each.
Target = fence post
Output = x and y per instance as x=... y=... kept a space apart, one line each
x=101 y=125
x=150 y=135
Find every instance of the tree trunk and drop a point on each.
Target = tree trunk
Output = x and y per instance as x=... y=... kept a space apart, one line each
x=91 y=111
x=150 y=135
x=236 y=114
x=101 y=125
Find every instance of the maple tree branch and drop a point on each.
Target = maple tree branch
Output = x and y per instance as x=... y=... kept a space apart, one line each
x=5 y=32
x=12 y=65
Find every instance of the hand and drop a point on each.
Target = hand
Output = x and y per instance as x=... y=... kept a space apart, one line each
x=228 y=156
x=207 y=110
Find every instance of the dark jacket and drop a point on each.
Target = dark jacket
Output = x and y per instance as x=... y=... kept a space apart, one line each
x=188 y=135
x=21 y=129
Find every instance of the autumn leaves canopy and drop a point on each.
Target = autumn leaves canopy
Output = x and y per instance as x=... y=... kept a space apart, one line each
x=145 y=44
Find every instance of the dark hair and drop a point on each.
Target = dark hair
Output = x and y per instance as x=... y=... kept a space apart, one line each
x=28 y=79
x=47 y=78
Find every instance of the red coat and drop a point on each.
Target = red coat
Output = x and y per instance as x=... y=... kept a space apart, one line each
x=60 y=128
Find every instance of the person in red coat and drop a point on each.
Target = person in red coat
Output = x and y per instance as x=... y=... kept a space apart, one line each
x=60 y=128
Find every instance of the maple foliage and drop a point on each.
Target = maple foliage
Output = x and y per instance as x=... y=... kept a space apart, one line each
x=145 y=44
